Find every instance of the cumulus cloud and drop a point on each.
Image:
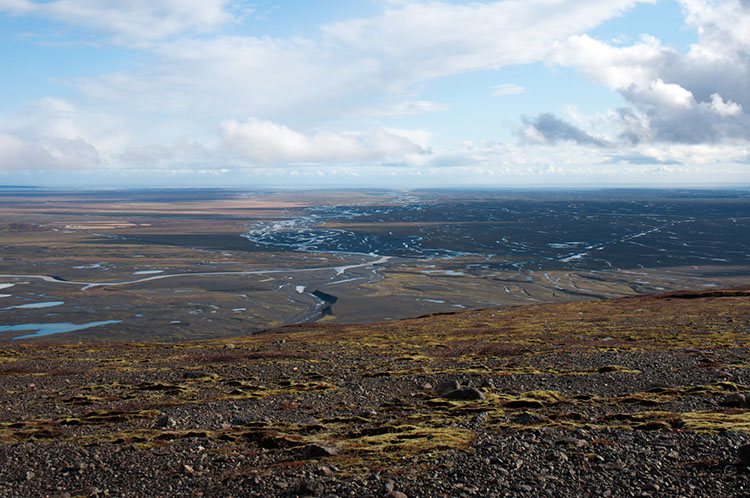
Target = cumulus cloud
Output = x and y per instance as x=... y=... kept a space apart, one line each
x=17 y=153
x=377 y=67
x=358 y=68
x=700 y=97
x=548 y=128
x=54 y=133
x=266 y=142
x=131 y=20
x=724 y=108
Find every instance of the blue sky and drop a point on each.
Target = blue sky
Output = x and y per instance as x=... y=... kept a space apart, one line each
x=374 y=93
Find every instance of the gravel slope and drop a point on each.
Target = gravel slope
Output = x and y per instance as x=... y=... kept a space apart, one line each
x=631 y=397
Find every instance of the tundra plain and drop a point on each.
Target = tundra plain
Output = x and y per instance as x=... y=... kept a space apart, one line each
x=167 y=265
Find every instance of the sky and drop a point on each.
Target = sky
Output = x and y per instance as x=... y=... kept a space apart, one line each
x=374 y=93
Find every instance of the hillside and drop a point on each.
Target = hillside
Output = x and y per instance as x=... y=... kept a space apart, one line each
x=636 y=396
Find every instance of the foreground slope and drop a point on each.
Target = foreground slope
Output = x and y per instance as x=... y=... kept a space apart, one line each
x=627 y=397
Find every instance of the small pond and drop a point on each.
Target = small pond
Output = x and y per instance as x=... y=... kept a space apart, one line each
x=43 y=329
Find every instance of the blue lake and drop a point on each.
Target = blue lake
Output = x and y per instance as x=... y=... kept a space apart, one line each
x=43 y=329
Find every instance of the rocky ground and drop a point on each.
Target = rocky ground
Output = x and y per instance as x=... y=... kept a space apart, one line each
x=631 y=397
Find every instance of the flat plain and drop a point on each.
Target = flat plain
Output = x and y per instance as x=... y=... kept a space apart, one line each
x=191 y=264
x=374 y=343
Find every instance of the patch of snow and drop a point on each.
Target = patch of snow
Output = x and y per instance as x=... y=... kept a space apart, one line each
x=88 y=267
x=37 y=305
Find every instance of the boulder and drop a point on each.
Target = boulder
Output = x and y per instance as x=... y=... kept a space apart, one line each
x=464 y=393
x=447 y=386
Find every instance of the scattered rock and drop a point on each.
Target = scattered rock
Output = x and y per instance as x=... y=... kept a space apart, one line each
x=318 y=451
x=253 y=419
x=481 y=418
x=736 y=400
x=325 y=470
x=427 y=447
x=578 y=443
x=389 y=486
x=528 y=418
x=447 y=386
x=525 y=488
x=307 y=486
x=165 y=422
x=309 y=421
x=395 y=494
x=464 y=393
x=651 y=486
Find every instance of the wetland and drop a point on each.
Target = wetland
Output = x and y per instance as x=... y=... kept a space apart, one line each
x=190 y=264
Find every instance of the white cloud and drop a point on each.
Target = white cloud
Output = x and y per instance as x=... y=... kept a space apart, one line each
x=722 y=25
x=351 y=62
x=661 y=96
x=269 y=143
x=724 y=108
x=508 y=89
x=431 y=39
x=548 y=128
x=616 y=67
x=695 y=98
x=54 y=133
x=695 y=154
x=132 y=21
x=166 y=112
x=17 y=153
x=579 y=164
